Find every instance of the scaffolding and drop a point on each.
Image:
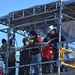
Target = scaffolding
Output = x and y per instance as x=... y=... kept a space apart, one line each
x=38 y=18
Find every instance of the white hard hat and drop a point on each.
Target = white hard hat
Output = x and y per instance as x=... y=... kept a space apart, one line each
x=52 y=27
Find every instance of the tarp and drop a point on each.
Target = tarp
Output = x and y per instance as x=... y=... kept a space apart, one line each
x=68 y=28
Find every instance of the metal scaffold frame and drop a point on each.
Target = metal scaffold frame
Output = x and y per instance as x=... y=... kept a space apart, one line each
x=36 y=17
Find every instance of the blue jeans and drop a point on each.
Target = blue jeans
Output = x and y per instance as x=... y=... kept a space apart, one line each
x=37 y=68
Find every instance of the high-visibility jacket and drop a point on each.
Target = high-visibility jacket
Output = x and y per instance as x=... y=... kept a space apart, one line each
x=39 y=38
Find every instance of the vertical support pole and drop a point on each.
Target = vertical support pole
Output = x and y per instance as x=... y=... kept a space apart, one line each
x=33 y=11
x=45 y=11
x=13 y=38
x=13 y=44
x=60 y=22
x=7 y=53
x=13 y=16
x=45 y=8
x=23 y=13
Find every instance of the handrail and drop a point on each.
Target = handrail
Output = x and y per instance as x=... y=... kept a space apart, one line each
x=61 y=51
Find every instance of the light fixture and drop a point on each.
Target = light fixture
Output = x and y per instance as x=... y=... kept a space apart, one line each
x=24 y=31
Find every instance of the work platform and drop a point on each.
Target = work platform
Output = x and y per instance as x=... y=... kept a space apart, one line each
x=39 y=18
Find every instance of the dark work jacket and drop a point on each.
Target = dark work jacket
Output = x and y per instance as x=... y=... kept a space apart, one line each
x=55 y=41
x=34 y=51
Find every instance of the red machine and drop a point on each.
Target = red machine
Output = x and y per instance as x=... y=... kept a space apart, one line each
x=1 y=72
x=48 y=51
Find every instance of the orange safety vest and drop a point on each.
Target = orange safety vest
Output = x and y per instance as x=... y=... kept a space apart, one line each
x=39 y=38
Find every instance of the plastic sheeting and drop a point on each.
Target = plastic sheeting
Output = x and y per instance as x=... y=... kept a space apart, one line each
x=68 y=28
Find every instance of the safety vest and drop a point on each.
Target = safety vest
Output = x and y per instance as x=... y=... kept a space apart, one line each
x=39 y=38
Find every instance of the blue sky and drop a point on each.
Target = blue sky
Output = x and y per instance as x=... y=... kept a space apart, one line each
x=7 y=6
